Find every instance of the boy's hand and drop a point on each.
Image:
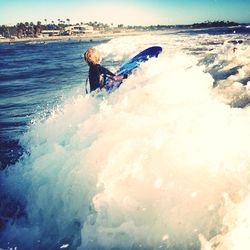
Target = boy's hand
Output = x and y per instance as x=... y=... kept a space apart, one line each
x=119 y=78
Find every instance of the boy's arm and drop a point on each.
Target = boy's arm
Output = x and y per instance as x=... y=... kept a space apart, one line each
x=116 y=78
x=105 y=71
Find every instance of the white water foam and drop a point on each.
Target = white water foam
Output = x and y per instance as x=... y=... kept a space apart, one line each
x=160 y=163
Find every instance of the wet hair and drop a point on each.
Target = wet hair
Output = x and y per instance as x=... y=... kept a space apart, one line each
x=92 y=56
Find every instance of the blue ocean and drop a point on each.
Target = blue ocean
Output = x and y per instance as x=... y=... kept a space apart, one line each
x=161 y=163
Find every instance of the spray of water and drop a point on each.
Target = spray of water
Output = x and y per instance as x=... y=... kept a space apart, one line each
x=160 y=163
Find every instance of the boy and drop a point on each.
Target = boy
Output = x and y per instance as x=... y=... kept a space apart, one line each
x=97 y=73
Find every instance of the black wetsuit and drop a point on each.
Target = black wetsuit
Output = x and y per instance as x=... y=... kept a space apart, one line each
x=97 y=76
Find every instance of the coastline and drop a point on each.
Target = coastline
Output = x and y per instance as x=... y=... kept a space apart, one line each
x=82 y=37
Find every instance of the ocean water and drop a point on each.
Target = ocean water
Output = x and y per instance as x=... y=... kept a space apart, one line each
x=161 y=163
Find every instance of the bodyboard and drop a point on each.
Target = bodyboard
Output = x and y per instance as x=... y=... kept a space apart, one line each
x=132 y=64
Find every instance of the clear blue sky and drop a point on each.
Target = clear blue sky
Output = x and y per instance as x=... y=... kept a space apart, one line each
x=143 y=12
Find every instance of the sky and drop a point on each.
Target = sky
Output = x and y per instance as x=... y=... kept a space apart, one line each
x=127 y=12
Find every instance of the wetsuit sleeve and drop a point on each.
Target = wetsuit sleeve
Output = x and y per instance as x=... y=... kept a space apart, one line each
x=94 y=77
x=105 y=71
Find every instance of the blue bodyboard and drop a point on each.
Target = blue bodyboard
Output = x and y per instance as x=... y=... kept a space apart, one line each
x=132 y=64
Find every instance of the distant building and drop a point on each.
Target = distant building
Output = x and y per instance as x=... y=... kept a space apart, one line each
x=11 y=31
x=79 y=29
x=51 y=32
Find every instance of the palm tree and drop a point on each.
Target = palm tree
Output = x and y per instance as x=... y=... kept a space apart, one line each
x=4 y=31
x=45 y=21
x=38 y=27
x=62 y=25
x=68 y=20
x=31 y=29
x=21 y=30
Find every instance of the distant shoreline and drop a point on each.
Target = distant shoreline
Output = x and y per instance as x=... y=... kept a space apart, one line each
x=84 y=36
x=91 y=36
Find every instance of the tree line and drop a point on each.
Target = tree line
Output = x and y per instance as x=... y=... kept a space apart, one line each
x=30 y=29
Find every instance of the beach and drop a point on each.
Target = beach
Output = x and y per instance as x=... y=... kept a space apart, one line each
x=81 y=37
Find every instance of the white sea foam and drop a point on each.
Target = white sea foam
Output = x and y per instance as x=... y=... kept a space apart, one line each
x=226 y=57
x=160 y=163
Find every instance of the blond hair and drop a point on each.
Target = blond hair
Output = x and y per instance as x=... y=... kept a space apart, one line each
x=92 y=55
